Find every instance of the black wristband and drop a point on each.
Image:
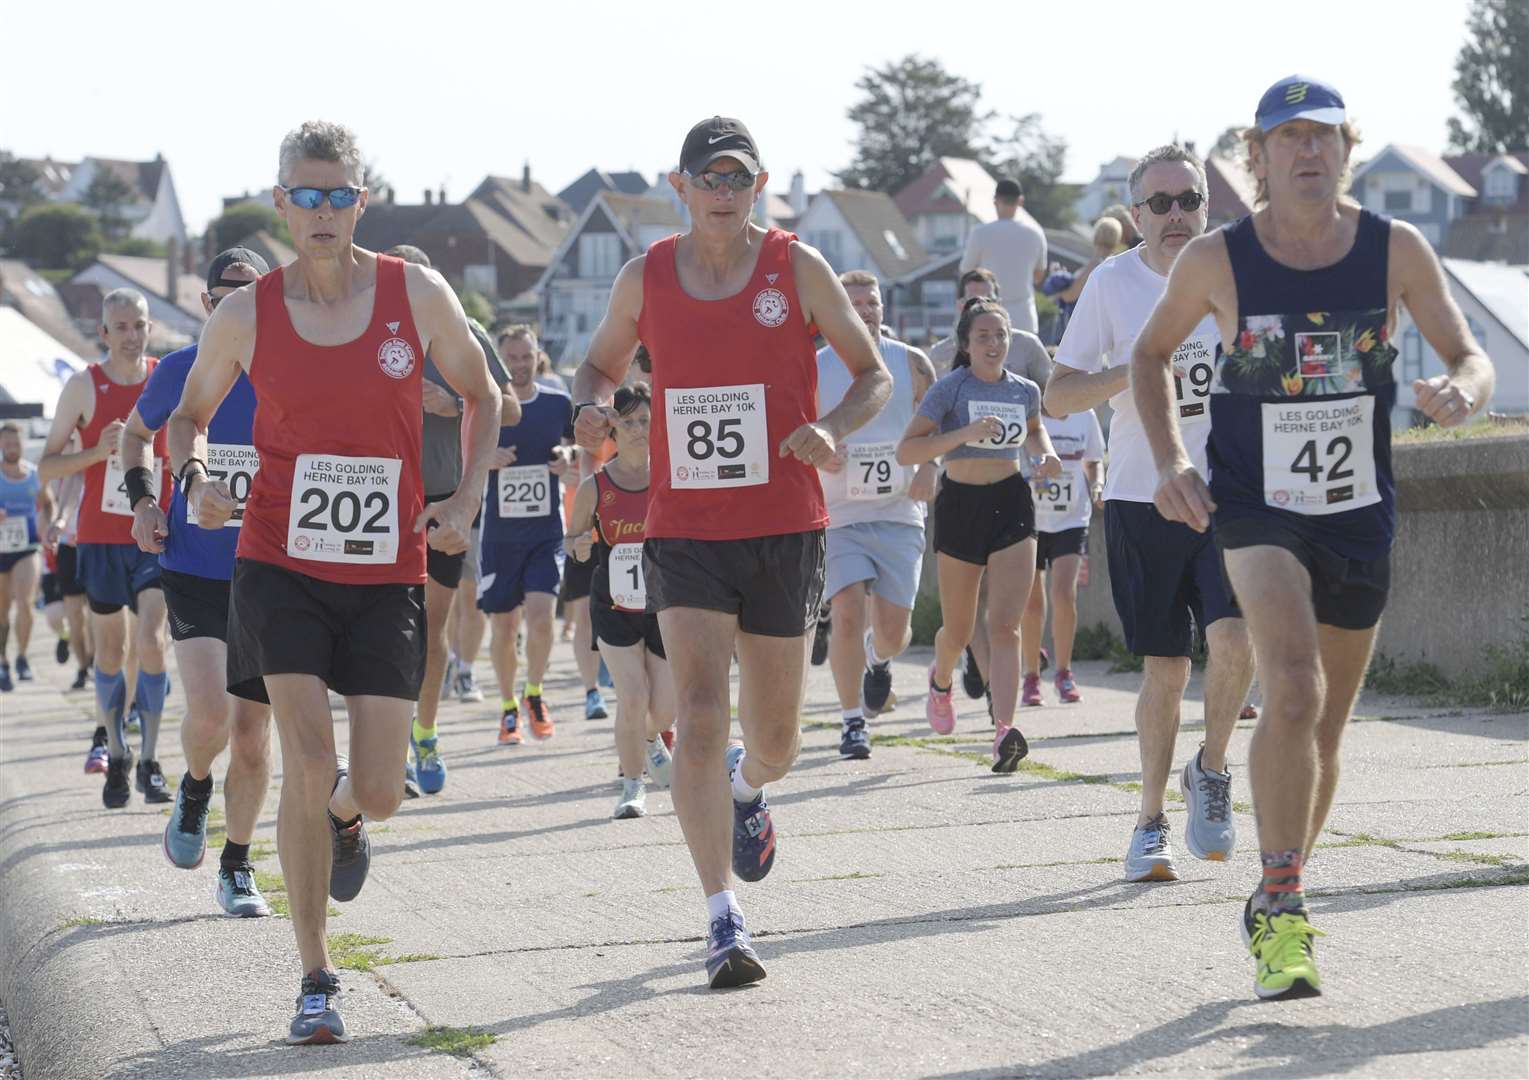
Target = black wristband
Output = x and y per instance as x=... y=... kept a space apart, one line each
x=580 y=407
x=137 y=481
x=181 y=476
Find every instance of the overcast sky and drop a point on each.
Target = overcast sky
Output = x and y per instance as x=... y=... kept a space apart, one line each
x=445 y=92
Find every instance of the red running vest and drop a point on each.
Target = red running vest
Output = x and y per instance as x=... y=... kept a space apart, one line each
x=732 y=378
x=620 y=517
x=338 y=430
x=105 y=517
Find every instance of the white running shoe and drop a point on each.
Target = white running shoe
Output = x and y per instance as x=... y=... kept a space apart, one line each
x=633 y=802
x=660 y=763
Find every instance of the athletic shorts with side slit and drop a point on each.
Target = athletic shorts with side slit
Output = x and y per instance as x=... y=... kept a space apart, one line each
x=445 y=570
x=1051 y=546
x=197 y=606
x=576 y=578
x=973 y=521
x=115 y=574
x=623 y=629
x=1166 y=579
x=774 y=584
x=1347 y=593
x=67 y=569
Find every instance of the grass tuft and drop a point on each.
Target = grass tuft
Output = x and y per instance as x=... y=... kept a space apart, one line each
x=350 y=951
x=1501 y=682
x=81 y=920
x=458 y=1042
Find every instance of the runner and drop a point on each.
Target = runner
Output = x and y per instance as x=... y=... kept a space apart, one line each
x=1063 y=507
x=979 y=419
x=522 y=561
x=328 y=584
x=1305 y=294
x=22 y=498
x=61 y=536
x=468 y=625
x=441 y=473
x=876 y=525
x=734 y=550
x=574 y=595
x=1166 y=578
x=196 y=565
x=115 y=574
x=615 y=502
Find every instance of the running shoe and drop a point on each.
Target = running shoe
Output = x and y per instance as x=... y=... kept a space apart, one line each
x=23 y=670
x=820 y=640
x=876 y=684
x=430 y=769
x=730 y=959
x=1211 y=833
x=134 y=721
x=410 y=780
x=594 y=705
x=660 y=763
x=98 y=754
x=1066 y=688
x=971 y=676
x=61 y=650
x=118 y=789
x=537 y=716
x=1282 y=944
x=604 y=678
x=1031 y=694
x=185 y=842
x=237 y=893
x=467 y=686
x=1249 y=712
x=352 y=850
x=753 y=831
x=509 y=728
x=1150 y=857
x=149 y=780
x=81 y=678
x=318 y=1011
x=1009 y=749
x=854 y=743
x=939 y=710
x=633 y=802
x=453 y=670
x=6 y=686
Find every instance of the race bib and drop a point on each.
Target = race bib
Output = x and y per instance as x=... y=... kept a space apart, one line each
x=114 y=489
x=1191 y=391
x=1056 y=498
x=235 y=465
x=525 y=491
x=718 y=437
x=13 y=535
x=628 y=589
x=1016 y=423
x=873 y=472
x=1319 y=456
x=344 y=509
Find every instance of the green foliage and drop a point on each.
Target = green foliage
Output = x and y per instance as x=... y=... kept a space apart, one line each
x=476 y=306
x=458 y=1042
x=1492 y=79
x=57 y=235
x=1480 y=428
x=106 y=195
x=350 y=951
x=926 y=617
x=18 y=180
x=137 y=245
x=1500 y=682
x=241 y=221
x=1036 y=158
x=1098 y=642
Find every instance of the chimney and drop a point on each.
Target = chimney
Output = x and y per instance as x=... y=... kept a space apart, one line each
x=392 y=195
x=429 y=197
x=525 y=178
x=798 y=195
x=172 y=268
x=443 y=195
x=188 y=259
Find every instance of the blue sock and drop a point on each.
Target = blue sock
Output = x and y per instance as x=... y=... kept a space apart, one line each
x=150 y=697
x=111 y=701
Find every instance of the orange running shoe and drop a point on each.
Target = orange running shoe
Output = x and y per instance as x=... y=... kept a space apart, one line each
x=509 y=728
x=537 y=717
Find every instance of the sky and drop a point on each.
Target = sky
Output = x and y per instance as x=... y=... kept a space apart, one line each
x=447 y=92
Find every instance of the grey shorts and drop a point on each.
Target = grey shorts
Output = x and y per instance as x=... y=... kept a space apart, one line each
x=886 y=555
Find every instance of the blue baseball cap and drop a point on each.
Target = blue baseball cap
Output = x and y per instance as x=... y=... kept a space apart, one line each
x=1297 y=97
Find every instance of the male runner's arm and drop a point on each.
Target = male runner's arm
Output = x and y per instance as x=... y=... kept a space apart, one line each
x=610 y=355
x=44 y=505
x=1038 y=442
x=1071 y=389
x=1181 y=493
x=225 y=349
x=68 y=502
x=67 y=416
x=578 y=542
x=827 y=304
x=1451 y=398
x=148 y=518
x=925 y=476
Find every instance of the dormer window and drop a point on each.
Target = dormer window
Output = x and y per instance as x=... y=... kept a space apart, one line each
x=1500 y=184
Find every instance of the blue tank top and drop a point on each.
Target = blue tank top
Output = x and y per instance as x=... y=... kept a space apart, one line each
x=18 y=498
x=1301 y=399
x=231 y=457
x=523 y=504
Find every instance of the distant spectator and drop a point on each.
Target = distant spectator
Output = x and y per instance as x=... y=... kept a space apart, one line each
x=1014 y=248
x=1129 y=236
x=1027 y=356
x=546 y=374
x=1107 y=236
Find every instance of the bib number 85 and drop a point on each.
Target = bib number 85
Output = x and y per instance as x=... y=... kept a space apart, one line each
x=725 y=441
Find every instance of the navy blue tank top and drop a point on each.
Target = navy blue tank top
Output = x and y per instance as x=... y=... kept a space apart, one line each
x=1302 y=397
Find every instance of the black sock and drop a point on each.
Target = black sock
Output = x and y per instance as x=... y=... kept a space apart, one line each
x=343 y=824
x=194 y=786
x=234 y=855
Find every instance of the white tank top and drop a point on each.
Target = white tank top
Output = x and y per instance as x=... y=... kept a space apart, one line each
x=872 y=486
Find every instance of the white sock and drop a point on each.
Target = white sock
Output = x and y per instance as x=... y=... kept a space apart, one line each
x=871 y=659
x=741 y=790
x=852 y=714
x=719 y=904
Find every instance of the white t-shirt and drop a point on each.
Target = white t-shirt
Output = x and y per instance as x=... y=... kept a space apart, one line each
x=1013 y=250
x=1116 y=301
x=1065 y=502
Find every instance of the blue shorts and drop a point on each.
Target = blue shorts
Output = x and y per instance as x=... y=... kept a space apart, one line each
x=1163 y=574
x=886 y=555
x=507 y=572
x=114 y=575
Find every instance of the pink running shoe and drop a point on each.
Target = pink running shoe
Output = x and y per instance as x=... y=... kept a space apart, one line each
x=1066 y=689
x=1032 y=692
x=939 y=709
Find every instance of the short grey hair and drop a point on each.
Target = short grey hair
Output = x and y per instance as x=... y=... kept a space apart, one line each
x=1169 y=152
x=320 y=140
x=123 y=298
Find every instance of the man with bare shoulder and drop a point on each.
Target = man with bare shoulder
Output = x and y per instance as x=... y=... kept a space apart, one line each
x=734 y=553
x=328 y=585
x=1305 y=293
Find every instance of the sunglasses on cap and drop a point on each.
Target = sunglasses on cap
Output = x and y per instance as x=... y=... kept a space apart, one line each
x=1160 y=203
x=741 y=180
x=311 y=198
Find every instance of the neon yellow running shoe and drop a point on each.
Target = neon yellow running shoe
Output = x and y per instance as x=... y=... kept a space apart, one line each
x=1283 y=945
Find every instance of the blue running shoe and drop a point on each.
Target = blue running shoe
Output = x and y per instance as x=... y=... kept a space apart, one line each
x=410 y=780
x=237 y=894
x=854 y=743
x=23 y=670
x=753 y=831
x=594 y=705
x=185 y=843
x=605 y=679
x=318 y=1013
x=730 y=959
x=431 y=769
x=6 y=686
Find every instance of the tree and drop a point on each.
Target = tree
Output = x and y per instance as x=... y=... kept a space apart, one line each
x=1036 y=159
x=373 y=178
x=476 y=306
x=18 y=180
x=106 y=195
x=242 y=220
x=57 y=235
x=1229 y=143
x=912 y=111
x=1492 y=80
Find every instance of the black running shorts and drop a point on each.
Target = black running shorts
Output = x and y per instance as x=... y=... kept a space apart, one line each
x=972 y=521
x=1051 y=546
x=576 y=578
x=772 y=583
x=1347 y=593
x=198 y=606
x=623 y=629
x=67 y=570
x=1166 y=579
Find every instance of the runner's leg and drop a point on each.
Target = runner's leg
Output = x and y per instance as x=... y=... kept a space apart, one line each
x=379 y=744
x=846 y=645
x=501 y=647
x=1345 y=659
x=24 y=589
x=153 y=683
x=249 y=768
x=1227 y=675
x=1164 y=680
x=1012 y=571
x=1033 y=625
x=1064 y=612
x=539 y=613
x=959 y=583
x=110 y=653
x=629 y=669
x=7 y=593
x=770 y=689
x=660 y=695
x=438 y=600
x=203 y=665
x=583 y=644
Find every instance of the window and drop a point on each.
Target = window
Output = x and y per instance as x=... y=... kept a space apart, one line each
x=827 y=242
x=1500 y=185
x=940 y=296
x=599 y=255
x=1412 y=354
x=1397 y=199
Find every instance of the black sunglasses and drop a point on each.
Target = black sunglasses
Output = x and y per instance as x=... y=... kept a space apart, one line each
x=1189 y=202
x=741 y=180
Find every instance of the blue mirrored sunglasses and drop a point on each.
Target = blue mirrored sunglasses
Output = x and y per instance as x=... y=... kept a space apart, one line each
x=311 y=198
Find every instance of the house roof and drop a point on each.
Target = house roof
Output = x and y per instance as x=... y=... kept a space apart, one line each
x=632 y=211
x=54 y=175
x=31 y=294
x=537 y=212
x=509 y=236
x=1430 y=165
x=582 y=191
x=1502 y=290
x=150 y=276
x=950 y=185
x=1231 y=189
x=1471 y=166
x=386 y=225
x=881 y=229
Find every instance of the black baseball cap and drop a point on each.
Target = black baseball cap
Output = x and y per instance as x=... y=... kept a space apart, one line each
x=719 y=137
x=228 y=258
x=1008 y=188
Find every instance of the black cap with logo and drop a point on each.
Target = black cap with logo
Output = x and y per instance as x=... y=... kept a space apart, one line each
x=718 y=137
x=230 y=257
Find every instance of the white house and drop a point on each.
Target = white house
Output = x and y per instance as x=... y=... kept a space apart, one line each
x=177 y=314
x=1110 y=186
x=947 y=201
x=152 y=210
x=862 y=230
